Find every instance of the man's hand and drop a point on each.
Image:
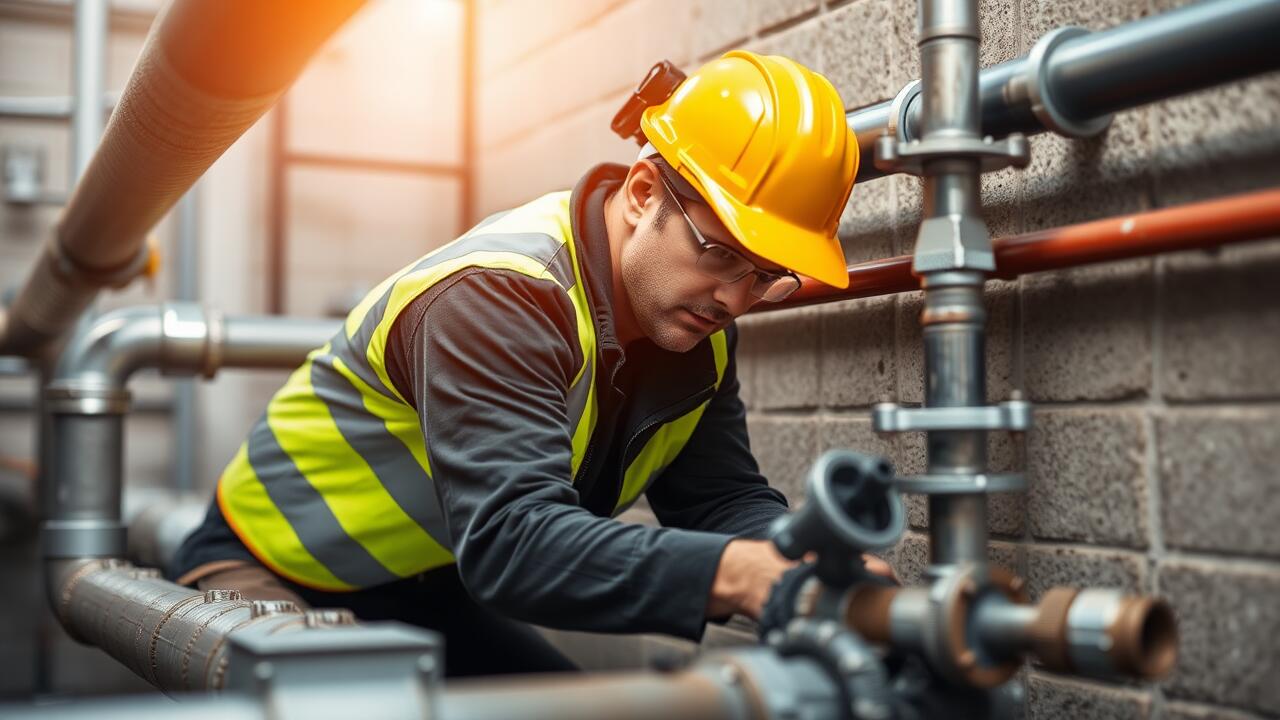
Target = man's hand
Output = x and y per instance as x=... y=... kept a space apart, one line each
x=748 y=571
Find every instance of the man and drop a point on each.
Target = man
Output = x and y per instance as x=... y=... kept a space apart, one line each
x=454 y=457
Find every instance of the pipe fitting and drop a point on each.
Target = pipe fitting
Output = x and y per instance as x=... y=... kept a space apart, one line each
x=1104 y=633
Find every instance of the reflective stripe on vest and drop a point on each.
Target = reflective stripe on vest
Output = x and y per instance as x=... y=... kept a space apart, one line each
x=333 y=487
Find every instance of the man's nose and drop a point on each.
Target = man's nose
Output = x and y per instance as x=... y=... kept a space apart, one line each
x=736 y=297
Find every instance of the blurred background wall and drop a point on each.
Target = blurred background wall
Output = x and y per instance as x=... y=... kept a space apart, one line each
x=1153 y=463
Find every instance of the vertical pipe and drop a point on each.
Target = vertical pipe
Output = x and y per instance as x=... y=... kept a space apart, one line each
x=90 y=54
x=953 y=317
x=278 y=208
x=187 y=288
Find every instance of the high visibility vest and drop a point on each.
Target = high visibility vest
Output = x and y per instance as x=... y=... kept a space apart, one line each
x=333 y=487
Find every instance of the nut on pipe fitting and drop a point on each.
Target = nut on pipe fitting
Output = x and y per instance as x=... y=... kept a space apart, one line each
x=1104 y=633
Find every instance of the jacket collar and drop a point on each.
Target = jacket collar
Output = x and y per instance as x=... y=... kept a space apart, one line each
x=682 y=373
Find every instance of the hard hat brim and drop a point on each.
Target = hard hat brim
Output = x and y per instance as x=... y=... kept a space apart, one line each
x=797 y=248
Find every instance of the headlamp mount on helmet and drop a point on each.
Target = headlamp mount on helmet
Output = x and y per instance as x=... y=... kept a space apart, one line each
x=655 y=89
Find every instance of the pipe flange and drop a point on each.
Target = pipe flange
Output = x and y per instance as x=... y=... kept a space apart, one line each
x=946 y=635
x=77 y=273
x=900 y=109
x=1035 y=86
x=979 y=483
x=67 y=397
x=1048 y=632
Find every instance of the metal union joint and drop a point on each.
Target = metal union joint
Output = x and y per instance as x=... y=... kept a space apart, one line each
x=953 y=242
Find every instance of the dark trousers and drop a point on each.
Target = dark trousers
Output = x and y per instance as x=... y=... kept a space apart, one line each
x=476 y=641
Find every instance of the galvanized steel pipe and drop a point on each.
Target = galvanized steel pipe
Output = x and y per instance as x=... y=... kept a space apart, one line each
x=88 y=398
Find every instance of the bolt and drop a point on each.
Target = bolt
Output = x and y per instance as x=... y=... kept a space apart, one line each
x=427 y=665
x=263 y=671
x=329 y=617
x=213 y=596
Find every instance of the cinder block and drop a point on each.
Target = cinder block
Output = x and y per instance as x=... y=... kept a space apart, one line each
x=1041 y=16
x=1050 y=697
x=1188 y=711
x=1221 y=317
x=867 y=225
x=1053 y=566
x=858 y=359
x=783 y=348
x=1216 y=142
x=1071 y=181
x=998 y=25
x=859 y=58
x=801 y=43
x=771 y=13
x=1219 y=487
x=509 y=31
x=1087 y=479
x=855 y=433
x=720 y=25
x=785 y=447
x=1006 y=512
x=1229 y=620
x=1086 y=332
x=1000 y=300
x=910 y=558
x=908 y=198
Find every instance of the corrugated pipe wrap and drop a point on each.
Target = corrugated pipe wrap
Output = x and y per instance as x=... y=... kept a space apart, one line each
x=208 y=71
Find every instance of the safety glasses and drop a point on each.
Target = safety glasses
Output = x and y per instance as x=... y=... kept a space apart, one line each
x=729 y=266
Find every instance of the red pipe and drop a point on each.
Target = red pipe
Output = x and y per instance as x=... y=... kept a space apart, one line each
x=1255 y=216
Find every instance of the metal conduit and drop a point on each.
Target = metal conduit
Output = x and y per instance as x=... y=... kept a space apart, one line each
x=208 y=71
x=1073 y=80
x=1212 y=223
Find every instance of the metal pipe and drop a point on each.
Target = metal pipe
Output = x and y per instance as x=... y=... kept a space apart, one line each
x=209 y=70
x=89 y=54
x=88 y=398
x=1073 y=81
x=51 y=108
x=186 y=289
x=1194 y=226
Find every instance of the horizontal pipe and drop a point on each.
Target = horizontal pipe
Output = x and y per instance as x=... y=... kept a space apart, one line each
x=208 y=71
x=1195 y=226
x=55 y=107
x=1091 y=76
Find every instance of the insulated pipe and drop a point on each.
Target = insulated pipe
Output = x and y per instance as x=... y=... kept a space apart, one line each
x=1195 y=226
x=88 y=399
x=209 y=70
x=1074 y=80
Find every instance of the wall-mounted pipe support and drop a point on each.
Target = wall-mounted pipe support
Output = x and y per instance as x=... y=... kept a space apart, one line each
x=88 y=398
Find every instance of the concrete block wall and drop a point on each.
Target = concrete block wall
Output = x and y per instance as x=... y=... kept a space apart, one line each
x=1153 y=459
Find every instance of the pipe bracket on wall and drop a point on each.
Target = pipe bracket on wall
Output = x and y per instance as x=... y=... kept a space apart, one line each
x=1014 y=416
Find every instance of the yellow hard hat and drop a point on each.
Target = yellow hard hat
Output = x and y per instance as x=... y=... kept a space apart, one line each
x=765 y=141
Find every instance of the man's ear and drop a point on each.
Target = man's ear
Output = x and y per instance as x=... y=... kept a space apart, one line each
x=639 y=190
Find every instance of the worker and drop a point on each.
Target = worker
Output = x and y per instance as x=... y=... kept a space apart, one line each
x=456 y=455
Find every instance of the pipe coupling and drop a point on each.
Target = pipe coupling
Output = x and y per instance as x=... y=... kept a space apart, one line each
x=1034 y=89
x=1104 y=633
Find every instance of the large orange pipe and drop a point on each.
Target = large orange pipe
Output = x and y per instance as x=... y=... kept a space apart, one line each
x=1254 y=216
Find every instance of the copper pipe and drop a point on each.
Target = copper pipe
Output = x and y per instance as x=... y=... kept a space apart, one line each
x=1241 y=218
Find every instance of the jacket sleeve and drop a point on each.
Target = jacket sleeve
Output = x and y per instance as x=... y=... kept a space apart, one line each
x=495 y=356
x=714 y=484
